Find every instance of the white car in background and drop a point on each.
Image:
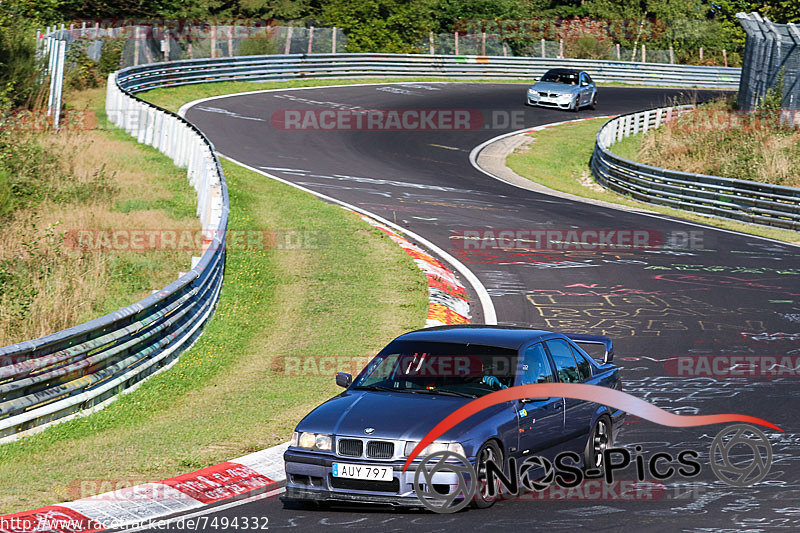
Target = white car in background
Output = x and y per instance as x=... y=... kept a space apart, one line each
x=565 y=89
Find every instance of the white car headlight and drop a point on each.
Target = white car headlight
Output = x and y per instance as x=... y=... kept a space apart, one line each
x=307 y=440
x=312 y=441
x=323 y=442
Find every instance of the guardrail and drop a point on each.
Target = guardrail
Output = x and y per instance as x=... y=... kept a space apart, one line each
x=287 y=67
x=82 y=368
x=748 y=201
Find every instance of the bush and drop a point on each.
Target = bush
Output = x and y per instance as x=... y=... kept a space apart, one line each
x=110 y=56
x=6 y=196
x=81 y=71
x=258 y=44
x=19 y=66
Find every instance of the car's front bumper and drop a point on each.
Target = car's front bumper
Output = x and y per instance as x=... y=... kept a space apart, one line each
x=309 y=477
x=546 y=101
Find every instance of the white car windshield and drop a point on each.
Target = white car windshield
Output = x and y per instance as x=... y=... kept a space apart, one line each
x=569 y=78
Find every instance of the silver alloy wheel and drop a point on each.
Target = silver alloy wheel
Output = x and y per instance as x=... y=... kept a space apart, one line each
x=600 y=441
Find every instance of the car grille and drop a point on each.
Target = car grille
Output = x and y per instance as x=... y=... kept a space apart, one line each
x=376 y=449
x=380 y=449
x=361 y=484
x=351 y=447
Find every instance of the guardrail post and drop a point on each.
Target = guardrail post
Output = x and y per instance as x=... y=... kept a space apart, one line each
x=288 y=46
x=59 y=82
x=151 y=118
x=143 y=116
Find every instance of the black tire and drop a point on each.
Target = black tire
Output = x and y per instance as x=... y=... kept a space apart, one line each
x=600 y=438
x=574 y=107
x=489 y=450
x=593 y=105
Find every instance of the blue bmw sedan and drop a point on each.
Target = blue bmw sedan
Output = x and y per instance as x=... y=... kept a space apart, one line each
x=352 y=448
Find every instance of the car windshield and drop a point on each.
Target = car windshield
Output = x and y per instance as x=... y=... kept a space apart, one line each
x=453 y=369
x=560 y=76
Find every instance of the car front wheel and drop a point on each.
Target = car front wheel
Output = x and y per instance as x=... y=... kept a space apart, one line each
x=593 y=105
x=490 y=451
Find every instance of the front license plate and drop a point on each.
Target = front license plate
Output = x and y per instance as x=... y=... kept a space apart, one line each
x=367 y=472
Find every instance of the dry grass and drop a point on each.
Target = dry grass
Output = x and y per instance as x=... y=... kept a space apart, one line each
x=79 y=180
x=715 y=140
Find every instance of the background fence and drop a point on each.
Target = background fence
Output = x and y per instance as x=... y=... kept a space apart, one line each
x=772 y=55
x=748 y=201
x=144 y=44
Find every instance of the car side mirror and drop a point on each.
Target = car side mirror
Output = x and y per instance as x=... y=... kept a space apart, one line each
x=585 y=84
x=343 y=379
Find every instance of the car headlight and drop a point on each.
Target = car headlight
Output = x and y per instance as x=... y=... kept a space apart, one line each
x=323 y=442
x=434 y=447
x=312 y=441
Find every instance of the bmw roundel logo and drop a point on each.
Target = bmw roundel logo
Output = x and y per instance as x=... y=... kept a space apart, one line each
x=369 y=431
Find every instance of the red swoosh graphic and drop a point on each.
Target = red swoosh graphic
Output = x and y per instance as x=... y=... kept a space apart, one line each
x=578 y=391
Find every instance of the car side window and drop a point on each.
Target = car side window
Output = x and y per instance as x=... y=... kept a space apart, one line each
x=535 y=366
x=588 y=78
x=565 y=362
x=584 y=366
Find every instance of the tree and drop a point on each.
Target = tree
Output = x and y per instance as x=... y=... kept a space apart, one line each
x=380 y=25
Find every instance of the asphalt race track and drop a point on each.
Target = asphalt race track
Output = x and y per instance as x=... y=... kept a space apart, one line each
x=727 y=294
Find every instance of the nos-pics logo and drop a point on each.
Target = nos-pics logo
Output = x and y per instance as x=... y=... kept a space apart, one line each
x=446 y=482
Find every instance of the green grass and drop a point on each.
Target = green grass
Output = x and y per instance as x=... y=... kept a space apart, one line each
x=628 y=147
x=348 y=296
x=547 y=162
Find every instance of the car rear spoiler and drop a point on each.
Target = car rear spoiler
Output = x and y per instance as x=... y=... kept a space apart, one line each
x=607 y=343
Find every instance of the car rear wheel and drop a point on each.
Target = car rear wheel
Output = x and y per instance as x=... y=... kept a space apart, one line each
x=490 y=451
x=600 y=439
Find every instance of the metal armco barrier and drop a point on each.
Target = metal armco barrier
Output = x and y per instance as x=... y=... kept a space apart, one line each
x=749 y=201
x=288 y=67
x=83 y=367
x=770 y=49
